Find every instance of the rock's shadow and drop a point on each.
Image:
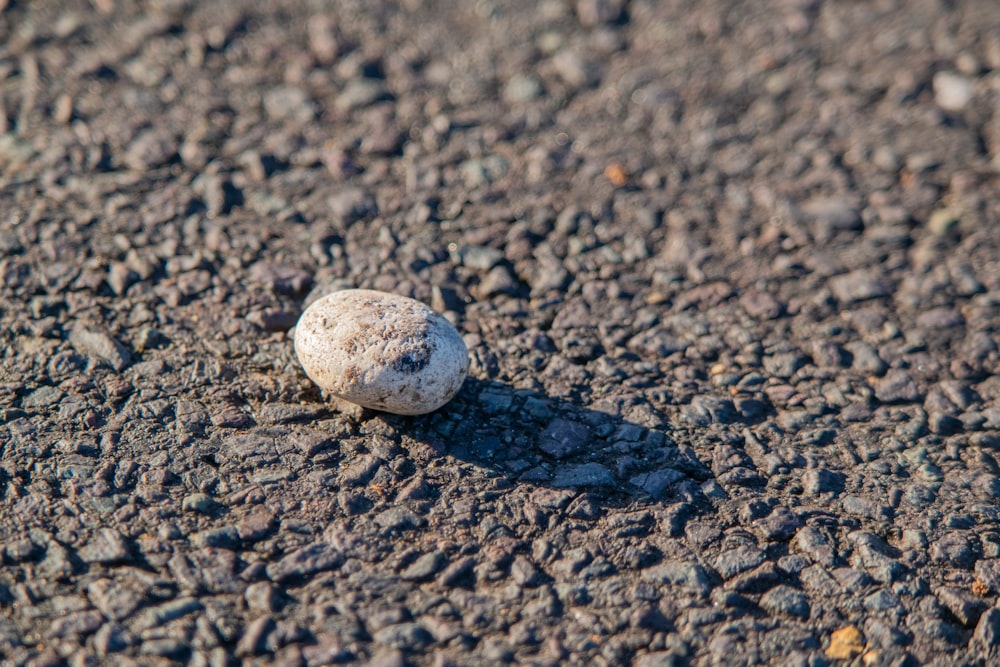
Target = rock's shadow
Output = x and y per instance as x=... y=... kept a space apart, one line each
x=528 y=437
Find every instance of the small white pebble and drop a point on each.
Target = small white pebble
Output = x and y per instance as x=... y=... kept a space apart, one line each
x=952 y=91
x=381 y=351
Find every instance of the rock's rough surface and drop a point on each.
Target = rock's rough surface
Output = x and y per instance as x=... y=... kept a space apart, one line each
x=381 y=351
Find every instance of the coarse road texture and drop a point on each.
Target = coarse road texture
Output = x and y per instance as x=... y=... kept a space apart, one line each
x=729 y=273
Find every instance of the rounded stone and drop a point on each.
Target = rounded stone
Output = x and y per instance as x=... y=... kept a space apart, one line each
x=381 y=351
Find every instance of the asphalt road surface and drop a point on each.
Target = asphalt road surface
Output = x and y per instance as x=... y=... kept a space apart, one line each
x=729 y=275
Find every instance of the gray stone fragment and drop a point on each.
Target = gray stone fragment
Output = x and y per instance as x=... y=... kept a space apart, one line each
x=881 y=600
x=254 y=639
x=758 y=580
x=865 y=359
x=198 y=502
x=705 y=410
x=457 y=571
x=303 y=562
x=965 y=606
x=584 y=474
x=100 y=345
x=150 y=149
x=116 y=600
x=563 y=438
x=524 y=572
x=596 y=13
x=958 y=548
x=859 y=285
x=76 y=623
x=898 y=386
x=280 y=278
x=656 y=343
x=814 y=544
x=662 y=659
x=352 y=204
x=359 y=93
x=112 y=638
x=405 y=636
x=829 y=215
x=261 y=596
x=399 y=519
x=329 y=649
x=679 y=573
x=156 y=616
x=781 y=524
x=56 y=563
x=388 y=657
x=288 y=103
x=495 y=400
x=783 y=365
x=256 y=525
x=786 y=600
x=657 y=483
x=761 y=305
x=742 y=558
x=499 y=280
x=226 y=537
x=522 y=88
x=108 y=546
x=817 y=481
x=424 y=567
x=43 y=397
x=480 y=258
x=987 y=633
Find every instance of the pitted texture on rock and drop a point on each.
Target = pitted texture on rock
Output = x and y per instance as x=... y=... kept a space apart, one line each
x=381 y=351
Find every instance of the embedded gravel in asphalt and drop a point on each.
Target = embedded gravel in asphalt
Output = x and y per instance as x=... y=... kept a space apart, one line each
x=729 y=275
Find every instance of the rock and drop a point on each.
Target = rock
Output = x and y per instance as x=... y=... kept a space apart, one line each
x=761 y=305
x=897 y=387
x=952 y=91
x=360 y=93
x=100 y=345
x=198 y=502
x=282 y=279
x=150 y=149
x=522 y=88
x=987 y=571
x=786 y=600
x=965 y=606
x=987 y=633
x=424 y=567
x=308 y=560
x=381 y=351
x=108 y=546
x=563 y=438
x=857 y=286
x=732 y=562
x=585 y=474
x=830 y=215
x=845 y=644
x=288 y=103
x=596 y=13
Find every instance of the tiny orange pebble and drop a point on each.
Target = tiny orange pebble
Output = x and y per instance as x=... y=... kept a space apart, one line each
x=617 y=174
x=845 y=644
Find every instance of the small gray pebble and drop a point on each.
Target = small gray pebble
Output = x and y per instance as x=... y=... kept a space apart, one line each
x=198 y=502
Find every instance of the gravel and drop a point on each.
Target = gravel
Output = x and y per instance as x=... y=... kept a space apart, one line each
x=727 y=273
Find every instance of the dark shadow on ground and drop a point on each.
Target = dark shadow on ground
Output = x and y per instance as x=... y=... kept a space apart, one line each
x=528 y=437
